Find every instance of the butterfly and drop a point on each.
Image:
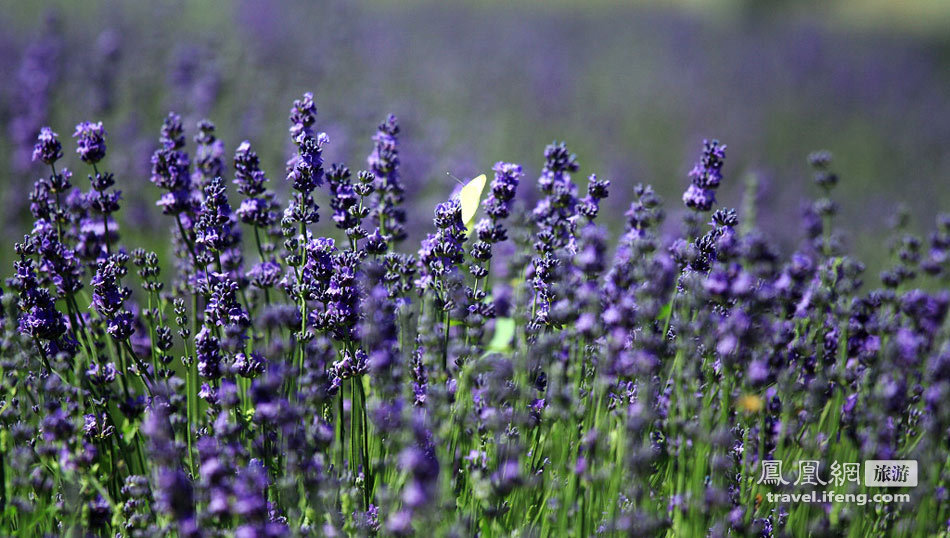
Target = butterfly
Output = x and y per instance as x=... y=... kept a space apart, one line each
x=469 y=197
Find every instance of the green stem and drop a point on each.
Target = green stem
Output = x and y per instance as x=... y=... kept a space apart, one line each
x=105 y=219
x=367 y=466
x=445 y=343
x=340 y=429
x=260 y=251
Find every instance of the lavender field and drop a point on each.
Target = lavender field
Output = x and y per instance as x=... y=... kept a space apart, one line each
x=287 y=269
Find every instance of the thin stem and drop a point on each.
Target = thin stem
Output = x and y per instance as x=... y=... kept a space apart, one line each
x=39 y=346
x=354 y=428
x=187 y=240
x=340 y=429
x=367 y=467
x=260 y=251
x=59 y=229
x=105 y=219
x=445 y=343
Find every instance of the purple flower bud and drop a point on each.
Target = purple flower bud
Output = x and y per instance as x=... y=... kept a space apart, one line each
x=705 y=176
x=90 y=139
x=47 y=148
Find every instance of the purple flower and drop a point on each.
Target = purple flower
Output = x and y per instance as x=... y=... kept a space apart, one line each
x=250 y=504
x=303 y=115
x=249 y=366
x=384 y=162
x=101 y=375
x=208 y=350
x=699 y=198
x=553 y=213
x=248 y=175
x=213 y=227
x=209 y=156
x=170 y=169
x=175 y=496
x=47 y=148
x=305 y=168
x=442 y=252
x=597 y=190
x=90 y=140
x=420 y=380
x=265 y=274
x=344 y=200
x=172 y=132
x=705 y=177
x=109 y=295
x=223 y=307
x=256 y=212
x=121 y=326
x=42 y=320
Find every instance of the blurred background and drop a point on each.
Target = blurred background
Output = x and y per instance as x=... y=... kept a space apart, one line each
x=632 y=87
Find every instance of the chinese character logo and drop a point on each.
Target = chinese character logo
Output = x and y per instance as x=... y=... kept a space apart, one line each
x=808 y=474
x=844 y=473
x=890 y=473
x=772 y=473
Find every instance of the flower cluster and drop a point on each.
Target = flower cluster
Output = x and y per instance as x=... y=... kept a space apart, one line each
x=257 y=209
x=170 y=169
x=383 y=163
x=109 y=296
x=705 y=177
x=305 y=169
x=442 y=251
x=90 y=142
x=525 y=374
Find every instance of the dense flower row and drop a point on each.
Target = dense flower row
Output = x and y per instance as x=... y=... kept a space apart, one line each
x=517 y=373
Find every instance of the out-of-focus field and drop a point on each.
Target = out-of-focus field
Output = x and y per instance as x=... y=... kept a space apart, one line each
x=632 y=87
x=915 y=16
